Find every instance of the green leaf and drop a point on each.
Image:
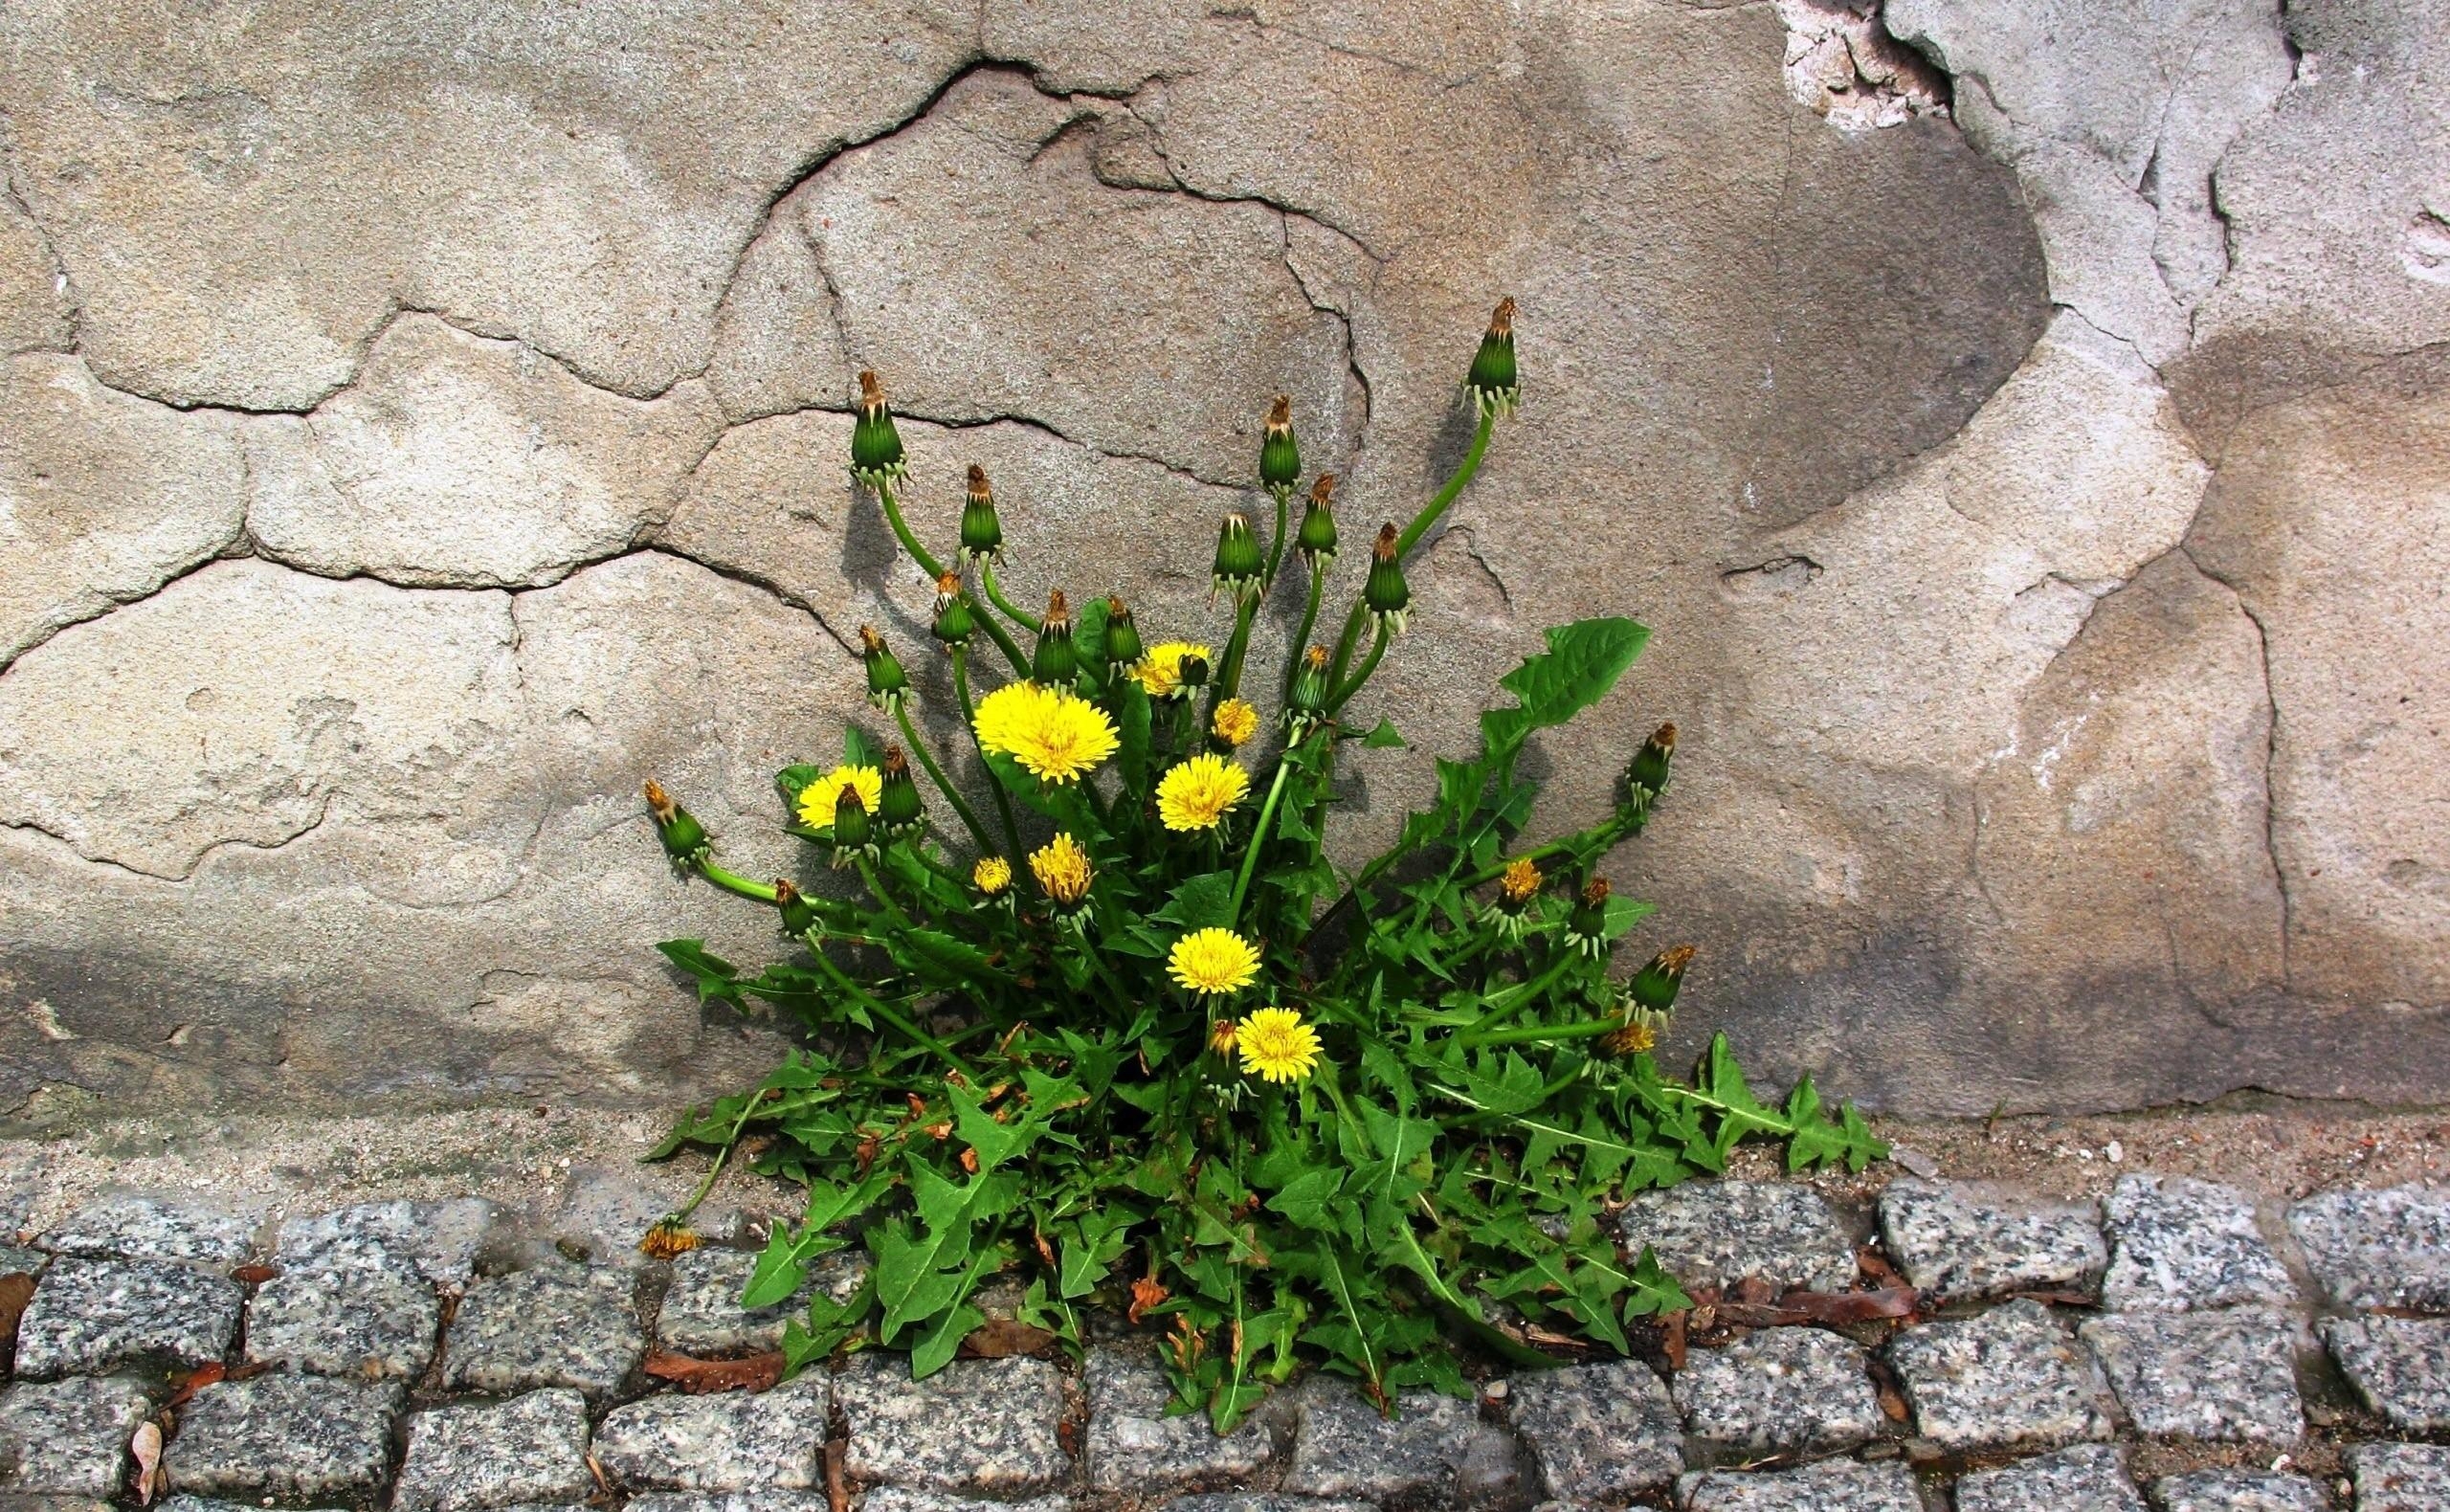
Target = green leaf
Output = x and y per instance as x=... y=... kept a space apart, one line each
x=781 y=1266
x=1583 y=661
x=858 y=750
x=939 y=958
x=1305 y=1199
x=937 y=1347
x=1383 y=737
x=1653 y=1290
x=717 y=977
x=1201 y=903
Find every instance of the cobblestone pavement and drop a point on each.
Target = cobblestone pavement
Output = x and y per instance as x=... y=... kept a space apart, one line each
x=2178 y=1346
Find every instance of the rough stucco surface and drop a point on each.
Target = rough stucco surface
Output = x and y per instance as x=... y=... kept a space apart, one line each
x=2026 y=428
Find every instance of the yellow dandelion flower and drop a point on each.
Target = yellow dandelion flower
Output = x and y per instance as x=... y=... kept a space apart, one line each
x=1062 y=870
x=1194 y=794
x=1519 y=883
x=1276 y=1045
x=1236 y=722
x=818 y=798
x=1161 y=670
x=1055 y=735
x=1213 y=960
x=993 y=875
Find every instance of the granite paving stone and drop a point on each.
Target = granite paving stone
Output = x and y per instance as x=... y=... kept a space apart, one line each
x=975 y=1425
x=2239 y=1491
x=1132 y=1445
x=375 y=1321
x=722 y=1441
x=18 y=1260
x=1261 y=1501
x=1597 y=1433
x=1717 y=1233
x=1832 y=1485
x=2400 y=1478
x=68 y=1437
x=2087 y=1478
x=2008 y=1378
x=290 y=1437
x=89 y=1317
x=1780 y=1391
x=2223 y=1376
x=910 y=1499
x=2178 y=1243
x=184 y=1503
x=1960 y=1243
x=2400 y=1366
x=737 y=1502
x=531 y=1449
x=439 y=1238
x=2378 y=1249
x=149 y=1229
x=702 y=1314
x=1345 y=1447
x=556 y=1325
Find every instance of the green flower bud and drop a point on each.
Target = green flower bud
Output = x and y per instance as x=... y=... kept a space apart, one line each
x=1279 y=455
x=1191 y=672
x=1494 y=385
x=1646 y=775
x=888 y=685
x=800 y=915
x=1124 y=650
x=853 y=833
x=1317 y=537
x=1058 y=661
x=1303 y=710
x=1386 y=595
x=875 y=447
x=982 y=533
x=1586 y=926
x=1239 y=561
x=900 y=809
x=684 y=839
x=954 y=623
x=1653 y=987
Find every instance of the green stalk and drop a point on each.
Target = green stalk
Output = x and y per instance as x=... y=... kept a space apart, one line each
x=1276 y=544
x=1411 y=534
x=1512 y=1000
x=952 y=794
x=1229 y=679
x=1369 y=665
x=970 y=722
x=1259 y=837
x=877 y=1007
x=733 y=882
x=995 y=594
x=901 y=532
x=1004 y=641
x=1535 y=1033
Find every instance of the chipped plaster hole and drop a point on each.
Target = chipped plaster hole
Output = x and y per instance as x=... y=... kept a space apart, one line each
x=47 y=1022
x=1779 y=577
x=2427 y=254
x=1843 y=63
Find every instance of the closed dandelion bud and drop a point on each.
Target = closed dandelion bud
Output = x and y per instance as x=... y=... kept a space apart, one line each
x=875 y=447
x=1239 y=562
x=900 y=812
x=1317 y=537
x=1495 y=388
x=1124 y=650
x=1191 y=672
x=1586 y=927
x=1653 y=987
x=1279 y=455
x=854 y=832
x=954 y=623
x=1310 y=693
x=982 y=533
x=800 y=915
x=888 y=685
x=1058 y=661
x=1646 y=775
x=684 y=839
x=1388 y=597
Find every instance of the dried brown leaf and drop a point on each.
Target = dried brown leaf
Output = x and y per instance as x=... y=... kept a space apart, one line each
x=755 y=1373
x=146 y=1448
x=1000 y=1338
x=16 y=1289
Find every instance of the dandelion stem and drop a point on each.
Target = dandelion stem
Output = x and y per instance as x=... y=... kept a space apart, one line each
x=1276 y=542
x=901 y=532
x=1411 y=534
x=1536 y=1034
x=1369 y=665
x=1513 y=999
x=1302 y=638
x=732 y=881
x=995 y=594
x=970 y=722
x=879 y=1007
x=1229 y=679
x=952 y=794
x=1259 y=837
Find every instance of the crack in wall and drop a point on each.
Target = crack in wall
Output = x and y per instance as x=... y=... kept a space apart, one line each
x=2270 y=768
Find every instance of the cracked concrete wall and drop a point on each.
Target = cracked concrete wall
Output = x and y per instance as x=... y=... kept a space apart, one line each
x=2025 y=426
